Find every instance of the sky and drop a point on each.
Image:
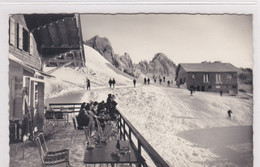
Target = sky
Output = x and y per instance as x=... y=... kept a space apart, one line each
x=184 y=38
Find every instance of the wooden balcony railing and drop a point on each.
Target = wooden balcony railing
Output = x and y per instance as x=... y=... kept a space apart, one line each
x=128 y=131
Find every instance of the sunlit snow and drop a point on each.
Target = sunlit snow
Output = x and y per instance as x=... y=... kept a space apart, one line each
x=187 y=131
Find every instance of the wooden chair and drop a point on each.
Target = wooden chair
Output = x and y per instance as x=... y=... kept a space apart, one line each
x=77 y=129
x=49 y=158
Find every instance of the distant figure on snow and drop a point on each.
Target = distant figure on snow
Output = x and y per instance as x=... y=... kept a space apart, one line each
x=163 y=78
x=168 y=83
x=191 y=91
x=110 y=82
x=134 y=81
x=148 y=81
x=160 y=80
x=220 y=92
x=154 y=80
x=88 y=84
x=229 y=114
x=145 y=81
x=113 y=82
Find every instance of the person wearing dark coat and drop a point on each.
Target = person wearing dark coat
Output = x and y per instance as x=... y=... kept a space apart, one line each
x=134 y=81
x=163 y=78
x=168 y=83
x=111 y=106
x=148 y=81
x=82 y=118
x=109 y=100
x=160 y=80
x=145 y=81
x=101 y=107
x=88 y=84
x=229 y=114
x=113 y=82
x=191 y=91
x=110 y=82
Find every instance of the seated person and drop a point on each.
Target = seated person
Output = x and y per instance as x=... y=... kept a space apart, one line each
x=101 y=108
x=82 y=119
x=113 y=111
x=95 y=108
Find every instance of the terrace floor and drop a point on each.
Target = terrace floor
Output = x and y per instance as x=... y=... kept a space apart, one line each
x=58 y=137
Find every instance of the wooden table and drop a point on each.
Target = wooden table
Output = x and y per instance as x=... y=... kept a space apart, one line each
x=103 y=154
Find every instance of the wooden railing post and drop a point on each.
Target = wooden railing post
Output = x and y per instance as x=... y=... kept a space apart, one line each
x=120 y=125
x=139 y=151
x=130 y=135
x=124 y=129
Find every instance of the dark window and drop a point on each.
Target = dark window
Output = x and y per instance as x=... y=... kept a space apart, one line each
x=234 y=86
x=26 y=40
x=209 y=87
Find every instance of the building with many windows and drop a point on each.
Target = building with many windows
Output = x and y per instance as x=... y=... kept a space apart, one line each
x=212 y=77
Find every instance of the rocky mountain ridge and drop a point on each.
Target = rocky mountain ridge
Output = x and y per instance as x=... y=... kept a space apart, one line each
x=159 y=66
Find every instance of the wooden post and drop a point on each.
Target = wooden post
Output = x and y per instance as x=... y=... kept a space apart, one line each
x=124 y=129
x=130 y=135
x=120 y=122
x=139 y=151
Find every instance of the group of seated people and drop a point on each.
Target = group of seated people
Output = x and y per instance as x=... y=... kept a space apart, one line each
x=90 y=112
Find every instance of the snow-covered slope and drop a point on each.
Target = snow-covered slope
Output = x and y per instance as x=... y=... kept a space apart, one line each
x=98 y=70
x=104 y=69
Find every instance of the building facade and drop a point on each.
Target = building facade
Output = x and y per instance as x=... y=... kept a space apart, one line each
x=211 y=77
x=34 y=41
x=26 y=82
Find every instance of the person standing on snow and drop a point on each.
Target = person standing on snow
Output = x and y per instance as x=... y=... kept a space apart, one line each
x=113 y=82
x=145 y=81
x=160 y=80
x=229 y=114
x=220 y=92
x=88 y=84
x=148 y=81
x=191 y=91
x=134 y=81
x=110 y=82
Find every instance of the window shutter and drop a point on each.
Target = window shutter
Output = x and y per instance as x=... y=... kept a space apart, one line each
x=12 y=32
x=20 y=40
x=31 y=44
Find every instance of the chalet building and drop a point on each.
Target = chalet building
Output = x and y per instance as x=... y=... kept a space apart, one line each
x=212 y=77
x=35 y=40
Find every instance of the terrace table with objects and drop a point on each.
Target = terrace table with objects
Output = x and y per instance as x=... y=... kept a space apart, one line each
x=107 y=153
